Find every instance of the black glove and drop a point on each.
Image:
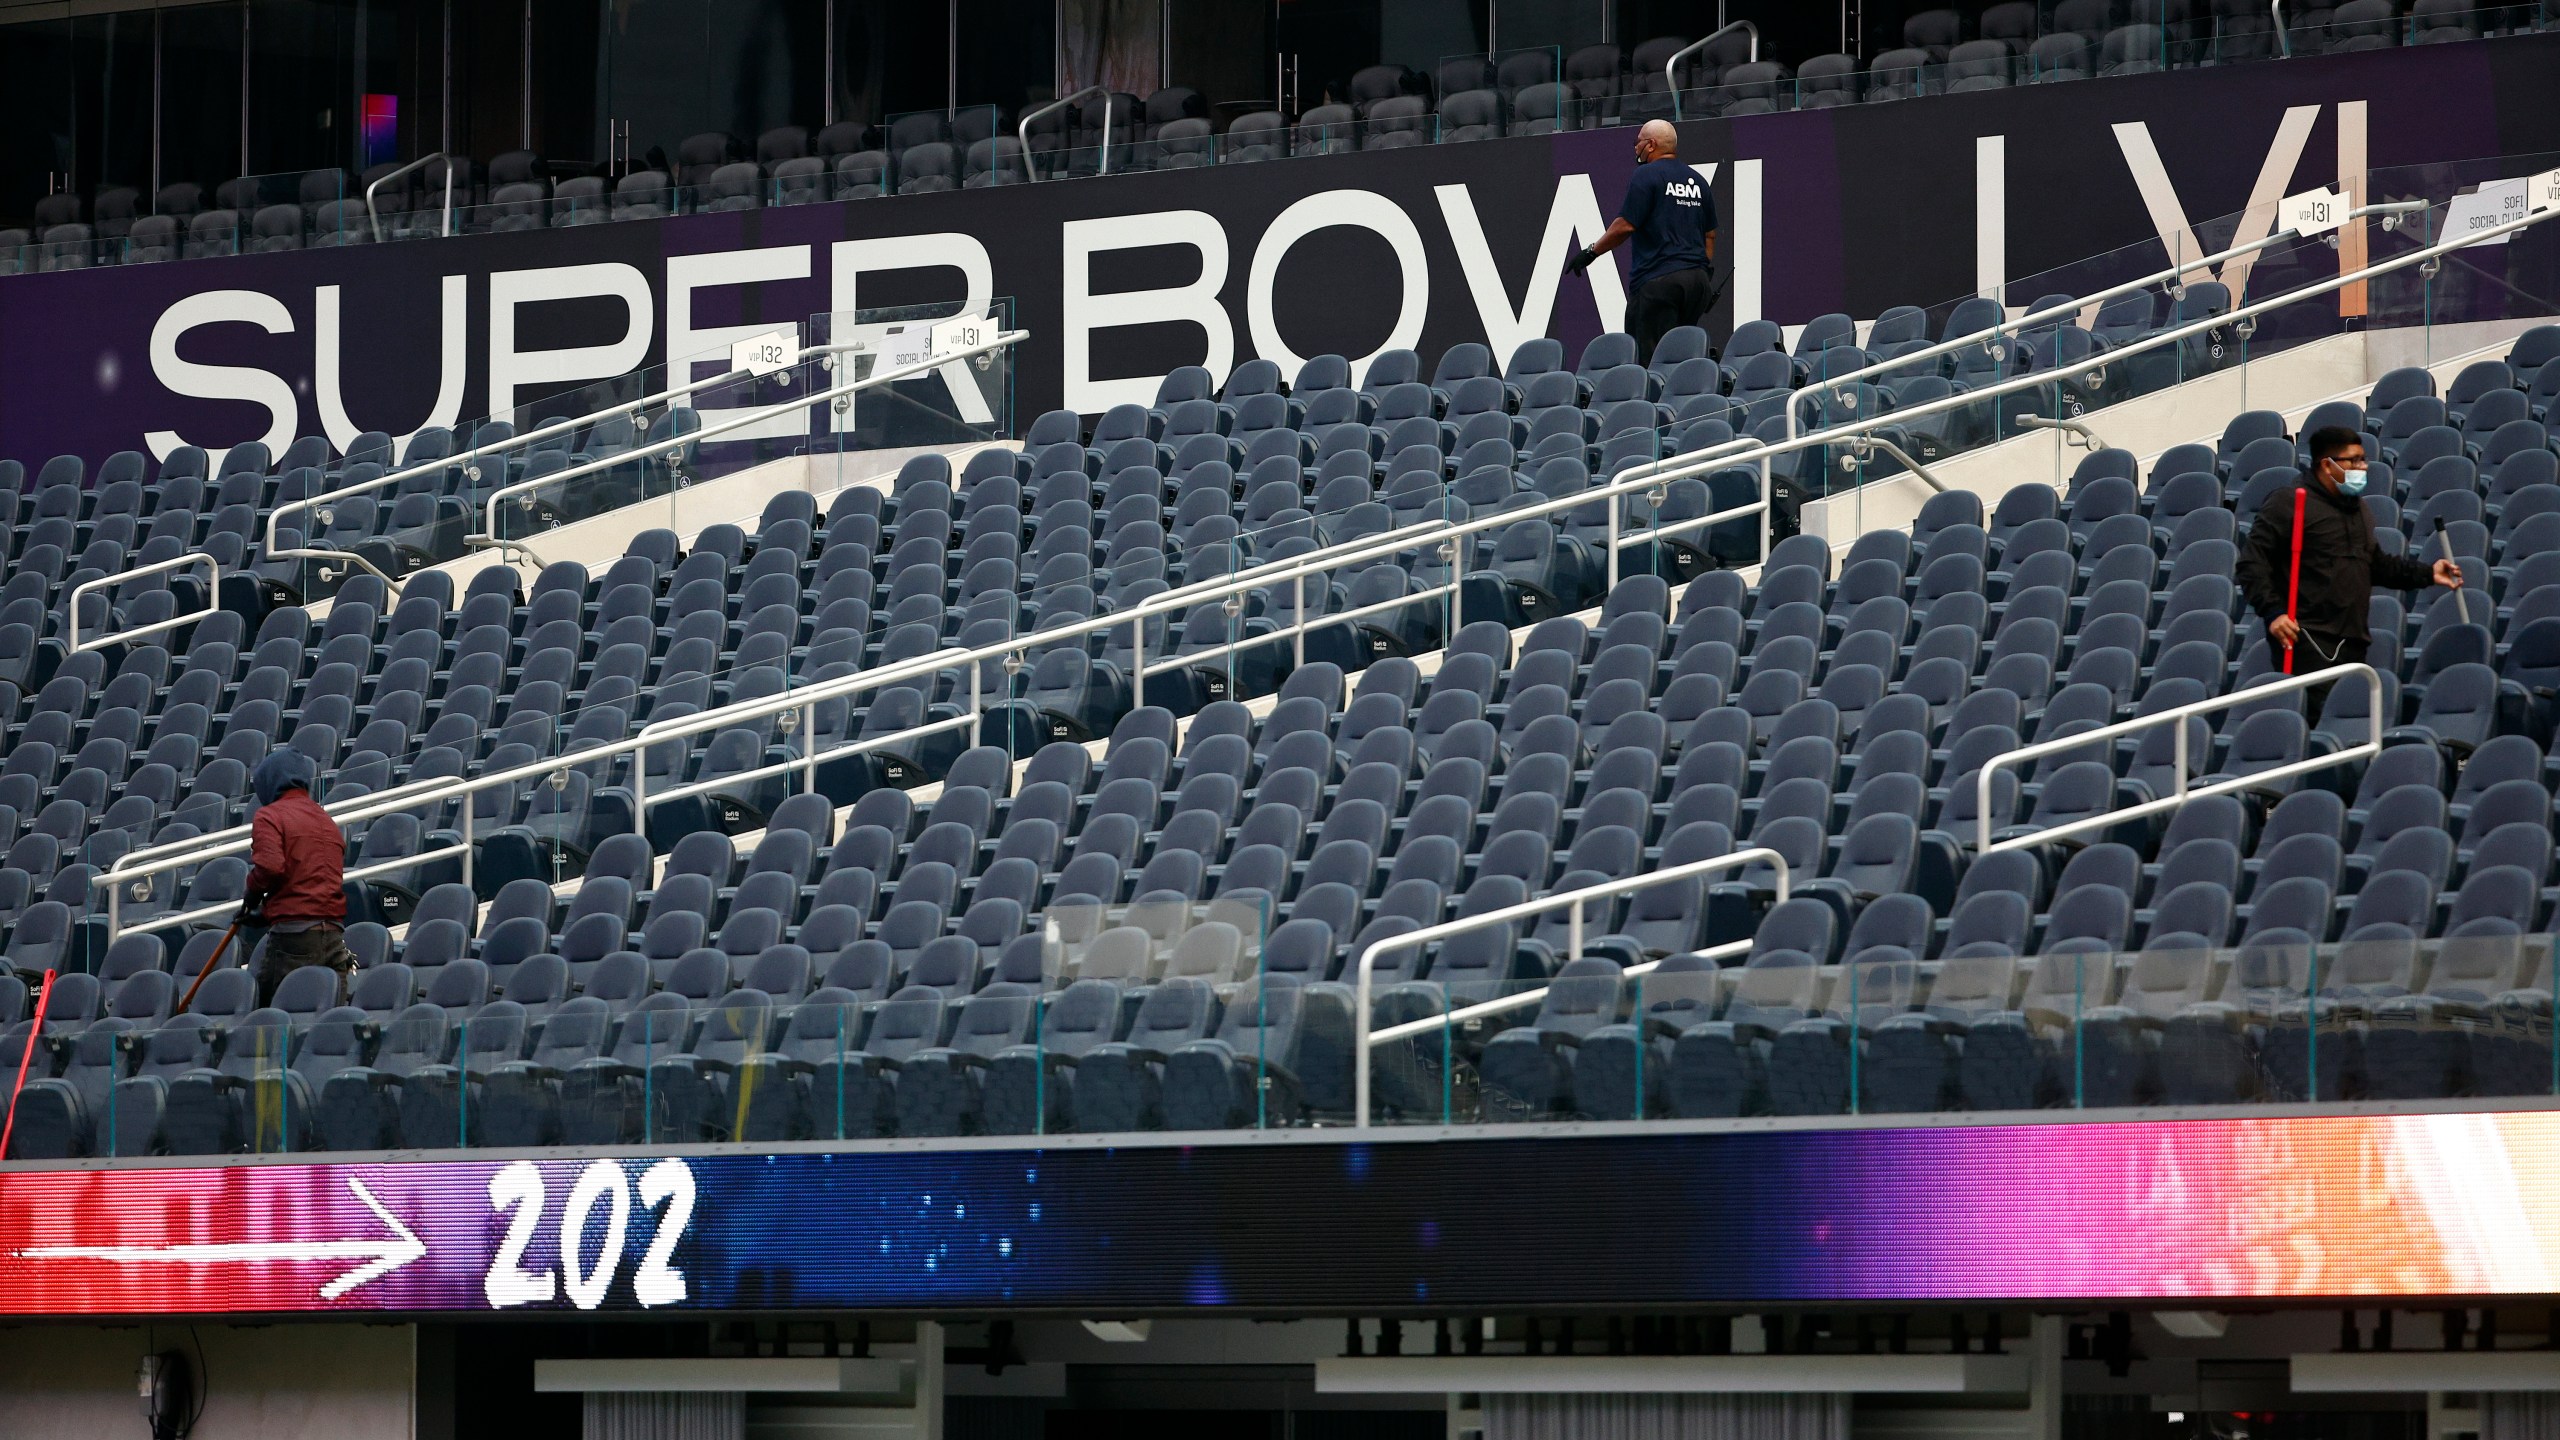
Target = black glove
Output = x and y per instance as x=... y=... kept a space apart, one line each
x=1581 y=261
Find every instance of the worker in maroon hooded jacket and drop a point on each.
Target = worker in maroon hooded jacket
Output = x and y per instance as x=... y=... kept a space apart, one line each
x=297 y=874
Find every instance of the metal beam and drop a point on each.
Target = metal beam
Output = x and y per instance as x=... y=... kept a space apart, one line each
x=1665 y=1374
x=2422 y=1371
x=763 y=1375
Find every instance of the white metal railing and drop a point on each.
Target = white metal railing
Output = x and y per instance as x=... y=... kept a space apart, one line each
x=742 y=420
x=183 y=854
x=466 y=459
x=375 y=217
x=2284 y=37
x=1671 y=67
x=2176 y=335
x=1571 y=901
x=1031 y=164
x=2034 y=318
x=2182 y=792
x=212 y=601
x=794 y=719
x=119 y=879
x=1634 y=480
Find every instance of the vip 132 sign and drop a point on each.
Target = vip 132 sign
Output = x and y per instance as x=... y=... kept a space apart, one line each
x=591 y=1227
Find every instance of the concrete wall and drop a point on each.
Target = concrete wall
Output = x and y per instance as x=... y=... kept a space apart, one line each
x=269 y=1382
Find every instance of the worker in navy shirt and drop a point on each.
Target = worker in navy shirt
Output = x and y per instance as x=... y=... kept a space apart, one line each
x=1672 y=218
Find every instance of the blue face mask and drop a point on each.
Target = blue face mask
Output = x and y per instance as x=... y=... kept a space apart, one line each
x=2351 y=482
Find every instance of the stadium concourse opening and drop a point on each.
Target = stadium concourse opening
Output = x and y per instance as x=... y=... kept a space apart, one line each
x=803 y=784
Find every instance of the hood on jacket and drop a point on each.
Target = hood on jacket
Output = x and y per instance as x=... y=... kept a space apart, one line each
x=279 y=772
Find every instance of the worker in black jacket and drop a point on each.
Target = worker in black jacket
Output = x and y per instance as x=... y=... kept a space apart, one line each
x=2323 y=623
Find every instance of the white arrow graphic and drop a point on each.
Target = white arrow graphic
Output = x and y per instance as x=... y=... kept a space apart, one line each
x=380 y=1257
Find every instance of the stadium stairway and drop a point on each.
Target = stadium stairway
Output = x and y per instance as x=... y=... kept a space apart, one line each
x=1015 y=774
x=2291 y=382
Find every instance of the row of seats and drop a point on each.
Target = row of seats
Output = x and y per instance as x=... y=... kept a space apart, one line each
x=1833 y=714
x=848 y=895
x=1524 y=92
x=1209 y=485
x=73 y=526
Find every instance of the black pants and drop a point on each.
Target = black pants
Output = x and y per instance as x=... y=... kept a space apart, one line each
x=2314 y=653
x=322 y=944
x=1664 y=304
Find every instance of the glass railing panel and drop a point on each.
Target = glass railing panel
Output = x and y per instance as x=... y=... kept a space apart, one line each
x=2482 y=283
x=1416 y=1078
x=578 y=434
x=2512 y=1051
x=1526 y=1063
x=1153 y=1013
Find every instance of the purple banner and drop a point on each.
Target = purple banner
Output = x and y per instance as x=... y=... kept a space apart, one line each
x=1120 y=280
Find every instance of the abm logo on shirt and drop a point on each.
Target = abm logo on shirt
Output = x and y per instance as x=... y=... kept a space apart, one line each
x=1689 y=190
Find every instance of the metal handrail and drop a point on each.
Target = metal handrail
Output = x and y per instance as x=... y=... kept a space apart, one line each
x=212 y=601
x=431 y=791
x=742 y=420
x=195 y=850
x=1671 y=67
x=393 y=477
x=1575 y=900
x=2179 y=715
x=423 y=792
x=171 y=920
x=2284 y=36
x=2034 y=318
x=1866 y=443
x=1635 y=480
x=2080 y=435
x=1030 y=165
x=686 y=726
x=1656 y=472
x=375 y=216
x=2176 y=335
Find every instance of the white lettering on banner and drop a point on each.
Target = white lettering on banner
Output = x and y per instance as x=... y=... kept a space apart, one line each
x=510 y=369
x=1991 y=217
x=766 y=353
x=2313 y=212
x=1573 y=220
x=517 y=1188
x=453 y=371
x=945 y=250
x=1195 y=303
x=1363 y=209
x=222 y=382
x=692 y=349
x=2169 y=217
x=668 y=1183
x=1745 y=241
x=2500 y=202
x=586 y=1275
x=600 y=1182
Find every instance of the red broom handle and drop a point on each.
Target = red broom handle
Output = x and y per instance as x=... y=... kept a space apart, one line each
x=2293 y=591
x=34 y=1038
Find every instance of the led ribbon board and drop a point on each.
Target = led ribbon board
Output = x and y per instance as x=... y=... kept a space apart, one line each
x=2233 y=1209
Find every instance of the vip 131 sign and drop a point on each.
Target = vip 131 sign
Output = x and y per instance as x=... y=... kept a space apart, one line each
x=592 y=1228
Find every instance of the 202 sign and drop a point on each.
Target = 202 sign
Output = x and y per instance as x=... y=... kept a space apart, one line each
x=602 y=1194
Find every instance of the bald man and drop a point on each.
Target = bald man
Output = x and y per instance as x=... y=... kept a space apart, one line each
x=1672 y=218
